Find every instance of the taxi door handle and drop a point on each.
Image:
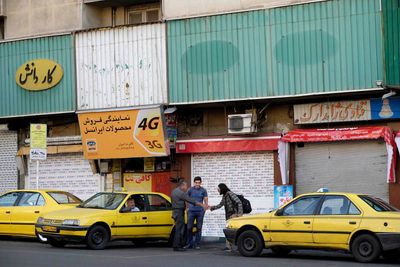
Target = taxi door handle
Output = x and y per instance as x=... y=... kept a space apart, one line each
x=307 y=222
x=144 y=218
x=8 y=212
x=351 y=222
x=36 y=211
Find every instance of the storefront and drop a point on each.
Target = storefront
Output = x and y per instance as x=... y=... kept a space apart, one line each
x=245 y=165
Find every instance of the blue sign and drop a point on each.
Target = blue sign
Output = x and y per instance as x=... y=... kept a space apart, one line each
x=282 y=195
x=388 y=108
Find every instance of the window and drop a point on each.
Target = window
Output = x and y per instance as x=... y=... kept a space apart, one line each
x=139 y=15
x=107 y=201
x=378 y=204
x=9 y=199
x=31 y=199
x=64 y=198
x=338 y=205
x=303 y=206
x=158 y=203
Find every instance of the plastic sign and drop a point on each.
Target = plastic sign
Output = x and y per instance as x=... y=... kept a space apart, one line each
x=39 y=74
x=38 y=143
x=123 y=134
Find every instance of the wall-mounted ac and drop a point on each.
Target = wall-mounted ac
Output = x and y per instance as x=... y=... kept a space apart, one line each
x=242 y=123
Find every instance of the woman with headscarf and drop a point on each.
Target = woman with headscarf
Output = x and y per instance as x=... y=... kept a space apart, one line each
x=233 y=207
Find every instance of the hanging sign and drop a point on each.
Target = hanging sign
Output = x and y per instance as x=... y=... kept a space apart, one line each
x=123 y=134
x=38 y=74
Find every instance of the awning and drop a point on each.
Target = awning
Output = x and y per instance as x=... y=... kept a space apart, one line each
x=228 y=144
x=54 y=149
x=341 y=134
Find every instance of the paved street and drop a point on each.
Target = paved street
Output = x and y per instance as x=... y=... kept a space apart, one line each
x=17 y=252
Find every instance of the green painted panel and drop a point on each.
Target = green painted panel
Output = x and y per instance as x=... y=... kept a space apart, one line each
x=14 y=100
x=391 y=24
x=324 y=47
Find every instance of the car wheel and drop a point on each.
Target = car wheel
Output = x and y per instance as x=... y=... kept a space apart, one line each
x=97 y=238
x=250 y=243
x=57 y=243
x=365 y=248
x=281 y=251
x=41 y=238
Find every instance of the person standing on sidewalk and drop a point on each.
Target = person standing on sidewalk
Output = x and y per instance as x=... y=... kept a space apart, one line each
x=233 y=207
x=199 y=193
x=179 y=197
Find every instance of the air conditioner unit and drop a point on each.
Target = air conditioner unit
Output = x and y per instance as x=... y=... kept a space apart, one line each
x=242 y=123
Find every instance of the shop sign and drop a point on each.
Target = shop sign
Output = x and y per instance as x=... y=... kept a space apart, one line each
x=123 y=134
x=138 y=182
x=342 y=111
x=149 y=164
x=38 y=142
x=39 y=74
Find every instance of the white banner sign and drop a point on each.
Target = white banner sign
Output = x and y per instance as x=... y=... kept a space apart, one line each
x=38 y=154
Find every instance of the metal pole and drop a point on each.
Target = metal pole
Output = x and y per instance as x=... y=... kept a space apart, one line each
x=37 y=174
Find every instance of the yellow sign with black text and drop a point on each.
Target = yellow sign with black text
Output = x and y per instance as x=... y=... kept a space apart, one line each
x=39 y=74
x=123 y=134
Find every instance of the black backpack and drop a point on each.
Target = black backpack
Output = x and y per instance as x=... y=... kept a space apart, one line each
x=245 y=204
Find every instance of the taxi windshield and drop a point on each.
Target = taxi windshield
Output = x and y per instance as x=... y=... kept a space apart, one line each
x=107 y=201
x=64 y=198
x=378 y=204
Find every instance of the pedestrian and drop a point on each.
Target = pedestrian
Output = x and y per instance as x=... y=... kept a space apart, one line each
x=199 y=193
x=179 y=197
x=233 y=207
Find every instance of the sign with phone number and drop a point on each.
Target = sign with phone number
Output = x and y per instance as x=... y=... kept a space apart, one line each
x=123 y=134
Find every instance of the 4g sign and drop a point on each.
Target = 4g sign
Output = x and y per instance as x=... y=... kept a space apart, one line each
x=123 y=134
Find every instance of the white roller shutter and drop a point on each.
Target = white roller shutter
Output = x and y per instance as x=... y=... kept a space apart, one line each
x=247 y=173
x=348 y=166
x=8 y=168
x=69 y=172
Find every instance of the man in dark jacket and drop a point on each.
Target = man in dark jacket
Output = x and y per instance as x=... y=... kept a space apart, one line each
x=179 y=197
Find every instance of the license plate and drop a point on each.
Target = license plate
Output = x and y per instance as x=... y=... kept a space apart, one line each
x=49 y=228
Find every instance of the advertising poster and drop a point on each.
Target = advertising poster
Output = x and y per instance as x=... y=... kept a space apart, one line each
x=123 y=134
x=282 y=195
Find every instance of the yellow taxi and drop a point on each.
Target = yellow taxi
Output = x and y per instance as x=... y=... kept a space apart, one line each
x=365 y=226
x=105 y=217
x=20 y=209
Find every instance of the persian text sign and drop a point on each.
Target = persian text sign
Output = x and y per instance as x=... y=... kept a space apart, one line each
x=38 y=144
x=359 y=110
x=123 y=134
x=38 y=74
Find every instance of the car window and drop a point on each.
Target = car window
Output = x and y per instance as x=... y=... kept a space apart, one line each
x=157 y=203
x=302 y=206
x=107 y=201
x=378 y=204
x=9 y=199
x=64 y=198
x=30 y=199
x=140 y=201
x=338 y=205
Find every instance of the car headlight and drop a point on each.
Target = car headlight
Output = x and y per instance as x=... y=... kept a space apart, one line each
x=40 y=220
x=71 y=222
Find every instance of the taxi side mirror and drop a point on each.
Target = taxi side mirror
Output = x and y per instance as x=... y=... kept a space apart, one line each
x=279 y=212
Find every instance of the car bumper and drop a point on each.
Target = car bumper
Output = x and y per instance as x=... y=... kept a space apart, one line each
x=389 y=241
x=230 y=234
x=63 y=232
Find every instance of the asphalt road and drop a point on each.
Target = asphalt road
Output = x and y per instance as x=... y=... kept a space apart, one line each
x=21 y=252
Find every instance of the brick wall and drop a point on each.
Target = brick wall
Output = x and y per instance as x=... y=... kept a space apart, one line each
x=69 y=172
x=8 y=168
x=248 y=173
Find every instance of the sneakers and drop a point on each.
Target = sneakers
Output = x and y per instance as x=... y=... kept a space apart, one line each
x=197 y=247
x=187 y=246
x=226 y=249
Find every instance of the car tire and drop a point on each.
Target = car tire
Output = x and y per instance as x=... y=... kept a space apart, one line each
x=281 y=251
x=57 y=243
x=250 y=243
x=97 y=237
x=365 y=248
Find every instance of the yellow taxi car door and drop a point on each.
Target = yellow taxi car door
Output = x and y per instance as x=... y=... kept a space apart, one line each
x=160 y=222
x=25 y=214
x=7 y=202
x=294 y=222
x=337 y=218
x=133 y=224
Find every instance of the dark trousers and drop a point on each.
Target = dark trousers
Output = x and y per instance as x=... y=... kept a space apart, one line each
x=199 y=217
x=179 y=217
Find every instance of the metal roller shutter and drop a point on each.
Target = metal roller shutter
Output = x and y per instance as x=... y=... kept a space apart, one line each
x=8 y=167
x=69 y=172
x=247 y=173
x=348 y=166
